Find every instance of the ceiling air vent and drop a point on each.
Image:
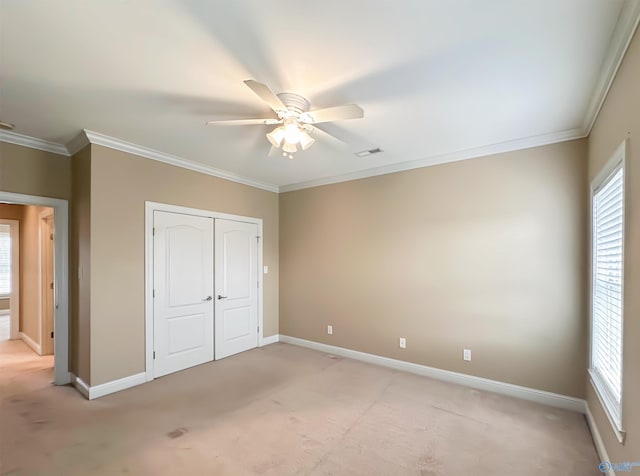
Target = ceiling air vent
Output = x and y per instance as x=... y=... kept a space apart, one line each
x=365 y=153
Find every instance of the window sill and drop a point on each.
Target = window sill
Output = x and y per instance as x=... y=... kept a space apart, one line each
x=617 y=429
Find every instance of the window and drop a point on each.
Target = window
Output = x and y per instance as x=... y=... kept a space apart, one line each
x=5 y=260
x=607 y=286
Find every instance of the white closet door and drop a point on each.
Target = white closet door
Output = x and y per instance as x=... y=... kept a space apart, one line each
x=183 y=291
x=236 y=276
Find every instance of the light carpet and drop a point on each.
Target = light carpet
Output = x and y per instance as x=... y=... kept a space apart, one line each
x=280 y=410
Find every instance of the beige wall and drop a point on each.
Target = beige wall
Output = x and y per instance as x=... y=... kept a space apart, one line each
x=620 y=119
x=30 y=272
x=120 y=185
x=34 y=172
x=80 y=274
x=486 y=254
x=10 y=212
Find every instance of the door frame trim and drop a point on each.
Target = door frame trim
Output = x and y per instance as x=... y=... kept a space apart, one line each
x=149 y=208
x=14 y=297
x=44 y=214
x=61 y=277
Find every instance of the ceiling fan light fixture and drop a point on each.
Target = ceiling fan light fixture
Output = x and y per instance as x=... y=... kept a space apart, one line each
x=306 y=140
x=289 y=147
x=276 y=136
x=294 y=120
x=292 y=132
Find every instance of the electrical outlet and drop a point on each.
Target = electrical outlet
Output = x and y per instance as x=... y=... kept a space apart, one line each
x=330 y=330
x=403 y=343
x=466 y=355
x=265 y=269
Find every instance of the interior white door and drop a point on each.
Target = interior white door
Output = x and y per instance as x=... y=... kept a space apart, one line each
x=183 y=291
x=236 y=251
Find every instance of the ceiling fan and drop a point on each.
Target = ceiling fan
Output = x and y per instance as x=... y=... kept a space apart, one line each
x=293 y=118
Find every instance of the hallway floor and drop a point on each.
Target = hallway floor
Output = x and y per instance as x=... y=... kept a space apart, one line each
x=20 y=365
x=5 y=327
x=280 y=410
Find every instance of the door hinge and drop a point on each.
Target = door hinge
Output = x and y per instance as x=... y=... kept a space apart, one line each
x=258 y=238
x=154 y=354
x=51 y=285
x=51 y=236
x=52 y=334
x=153 y=233
x=154 y=293
x=258 y=329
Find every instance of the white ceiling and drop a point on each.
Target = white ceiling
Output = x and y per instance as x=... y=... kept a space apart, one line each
x=438 y=80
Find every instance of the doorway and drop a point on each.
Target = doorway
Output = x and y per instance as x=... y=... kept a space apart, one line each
x=204 y=289
x=39 y=315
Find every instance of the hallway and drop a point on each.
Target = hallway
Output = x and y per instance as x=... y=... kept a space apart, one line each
x=22 y=368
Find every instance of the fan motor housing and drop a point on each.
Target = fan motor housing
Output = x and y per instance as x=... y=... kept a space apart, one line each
x=294 y=102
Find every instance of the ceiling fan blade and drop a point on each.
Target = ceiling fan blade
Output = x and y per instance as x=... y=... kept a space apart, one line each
x=338 y=113
x=244 y=122
x=265 y=93
x=328 y=138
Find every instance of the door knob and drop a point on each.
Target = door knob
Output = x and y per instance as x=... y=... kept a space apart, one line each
x=209 y=298
x=221 y=297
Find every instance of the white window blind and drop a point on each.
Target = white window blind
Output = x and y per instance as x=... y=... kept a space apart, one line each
x=608 y=259
x=5 y=259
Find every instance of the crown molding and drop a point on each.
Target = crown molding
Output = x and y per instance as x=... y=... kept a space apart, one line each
x=620 y=40
x=78 y=143
x=476 y=152
x=86 y=137
x=33 y=143
x=123 y=146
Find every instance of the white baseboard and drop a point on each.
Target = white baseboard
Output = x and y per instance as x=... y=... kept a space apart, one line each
x=525 y=393
x=597 y=439
x=79 y=384
x=97 y=391
x=31 y=343
x=101 y=390
x=270 y=340
x=114 y=386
